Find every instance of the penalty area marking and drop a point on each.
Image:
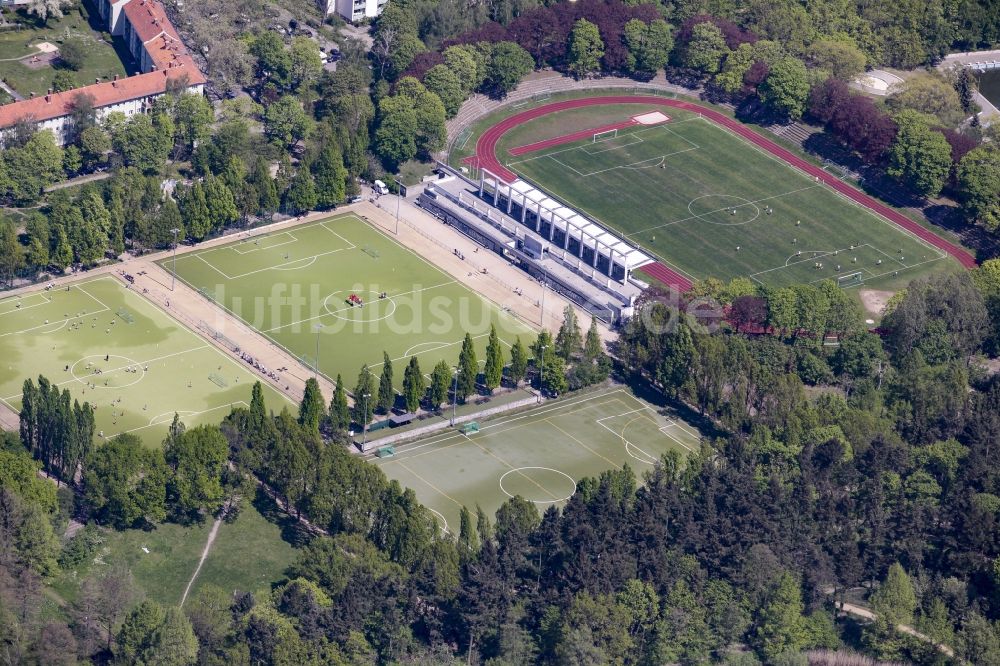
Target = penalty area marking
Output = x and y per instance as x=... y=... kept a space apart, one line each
x=521 y=470
x=444 y=521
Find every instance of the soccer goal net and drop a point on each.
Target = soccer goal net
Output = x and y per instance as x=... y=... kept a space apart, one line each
x=605 y=135
x=850 y=280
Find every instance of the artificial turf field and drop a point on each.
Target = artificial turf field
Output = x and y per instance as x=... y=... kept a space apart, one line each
x=288 y=283
x=538 y=454
x=693 y=193
x=154 y=368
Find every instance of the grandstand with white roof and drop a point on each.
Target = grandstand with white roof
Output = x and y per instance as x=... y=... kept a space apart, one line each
x=576 y=234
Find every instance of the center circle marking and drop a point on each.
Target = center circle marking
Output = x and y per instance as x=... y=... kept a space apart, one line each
x=334 y=313
x=740 y=202
x=97 y=358
x=544 y=469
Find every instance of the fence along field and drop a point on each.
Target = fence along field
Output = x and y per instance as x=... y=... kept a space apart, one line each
x=339 y=290
x=538 y=454
x=713 y=205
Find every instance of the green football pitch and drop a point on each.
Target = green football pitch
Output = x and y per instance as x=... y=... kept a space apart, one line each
x=111 y=347
x=538 y=454
x=295 y=286
x=711 y=205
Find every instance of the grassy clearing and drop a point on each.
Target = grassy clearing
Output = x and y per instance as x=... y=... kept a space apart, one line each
x=249 y=554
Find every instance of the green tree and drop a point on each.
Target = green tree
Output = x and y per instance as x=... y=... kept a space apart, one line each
x=125 y=483
x=193 y=117
x=305 y=63
x=979 y=186
x=649 y=46
x=706 y=49
x=340 y=414
x=895 y=600
x=493 y=370
x=430 y=117
x=152 y=635
x=72 y=54
x=301 y=195
x=586 y=48
x=920 y=156
x=386 y=392
x=931 y=94
x=194 y=211
x=518 y=362
x=468 y=369
x=786 y=88
x=221 y=204
x=780 y=626
x=444 y=82
x=593 y=348
x=841 y=57
x=414 y=385
x=507 y=64
x=569 y=339
x=331 y=177
x=274 y=63
x=440 y=384
x=364 y=397
x=468 y=65
x=94 y=145
x=285 y=121
x=311 y=412
x=12 y=259
x=468 y=539
x=196 y=459
x=395 y=138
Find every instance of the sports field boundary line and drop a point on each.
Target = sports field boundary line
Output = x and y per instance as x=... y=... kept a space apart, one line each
x=365 y=223
x=448 y=435
x=486 y=155
x=22 y=309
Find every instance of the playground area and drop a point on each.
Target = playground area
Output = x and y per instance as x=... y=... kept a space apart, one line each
x=112 y=348
x=29 y=51
x=336 y=293
x=538 y=454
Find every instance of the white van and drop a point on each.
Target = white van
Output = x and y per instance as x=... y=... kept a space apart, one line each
x=380 y=187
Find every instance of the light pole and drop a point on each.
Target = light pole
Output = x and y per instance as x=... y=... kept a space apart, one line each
x=399 y=195
x=173 y=278
x=317 y=328
x=541 y=374
x=454 y=396
x=364 y=419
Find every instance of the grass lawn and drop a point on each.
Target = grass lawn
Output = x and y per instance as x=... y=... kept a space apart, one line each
x=113 y=348
x=102 y=61
x=710 y=204
x=538 y=454
x=249 y=554
x=294 y=287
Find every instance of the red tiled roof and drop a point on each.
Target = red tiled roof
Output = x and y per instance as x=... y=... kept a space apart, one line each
x=52 y=106
x=149 y=20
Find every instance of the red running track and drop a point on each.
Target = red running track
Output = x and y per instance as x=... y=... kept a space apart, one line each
x=568 y=138
x=487 y=144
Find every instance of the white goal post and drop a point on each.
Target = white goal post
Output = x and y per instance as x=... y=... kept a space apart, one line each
x=605 y=135
x=850 y=280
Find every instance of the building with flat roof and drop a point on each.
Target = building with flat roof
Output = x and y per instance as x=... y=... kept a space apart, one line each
x=162 y=59
x=354 y=11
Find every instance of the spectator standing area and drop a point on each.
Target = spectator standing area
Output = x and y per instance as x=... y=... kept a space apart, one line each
x=342 y=292
x=539 y=454
x=112 y=348
x=705 y=194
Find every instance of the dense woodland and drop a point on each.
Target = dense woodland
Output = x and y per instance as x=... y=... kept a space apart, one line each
x=866 y=468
